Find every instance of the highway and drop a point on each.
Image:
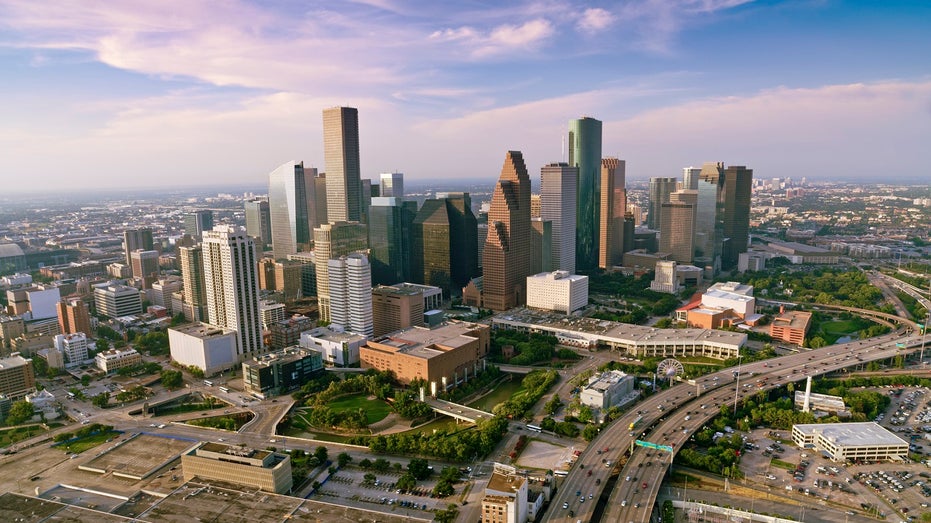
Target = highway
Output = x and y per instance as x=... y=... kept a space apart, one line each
x=664 y=423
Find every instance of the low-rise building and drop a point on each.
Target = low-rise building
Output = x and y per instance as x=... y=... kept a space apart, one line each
x=17 y=377
x=338 y=348
x=279 y=372
x=286 y=333
x=607 y=389
x=791 y=327
x=866 y=441
x=505 y=498
x=210 y=348
x=74 y=347
x=557 y=291
x=115 y=359
x=261 y=469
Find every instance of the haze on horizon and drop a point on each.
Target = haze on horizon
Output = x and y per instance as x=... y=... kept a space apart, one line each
x=136 y=94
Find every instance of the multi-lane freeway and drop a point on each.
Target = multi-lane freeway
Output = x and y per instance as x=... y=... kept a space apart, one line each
x=672 y=416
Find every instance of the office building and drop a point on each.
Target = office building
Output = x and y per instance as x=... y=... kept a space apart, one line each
x=506 y=497
x=195 y=289
x=607 y=389
x=855 y=442
x=536 y=206
x=677 y=226
x=791 y=327
x=271 y=312
x=231 y=281
x=144 y=265
x=343 y=173
x=443 y=356
x=73 y=347
x=690 y=178
x=738 y=184
x=320 y=189
x=115 y=359
x=115 y=300
x=332 y=240
x=708 y=228
x=558 y=182
x=11 y=327
x=541 y=246
x=17 y=377
x=36 y=302
x=280 y=372
x=672 y=277
x=444 y=242
x=261 y=469
x=350 y=290
x=396 y=307
x=196 y=222
x=585 y=154
x=162 y=291
x=389 y=238
x=506 y=258
x=337 y=347
x=209 y=348
x=287 y=332
x=366 y=197
x=136 y=239
x=660 y=189
x=283 y=276
x=259 y=222
x=73 y=316
x=557 y=291
x=392 y=185
x=722 y=224
x=613 y=211
x=290 y=206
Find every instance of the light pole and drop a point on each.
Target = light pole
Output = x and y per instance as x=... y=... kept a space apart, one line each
x=737 y=388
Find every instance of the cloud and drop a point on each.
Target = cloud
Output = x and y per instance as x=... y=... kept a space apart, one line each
x=656 y=23
x=501 y=39
x=595 y=19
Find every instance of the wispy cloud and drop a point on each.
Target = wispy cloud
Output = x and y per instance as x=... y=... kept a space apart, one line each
x=502 y=39
x=595 y=19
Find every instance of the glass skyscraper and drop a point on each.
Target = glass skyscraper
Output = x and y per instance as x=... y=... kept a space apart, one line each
x=585 y=153
x=290 y=201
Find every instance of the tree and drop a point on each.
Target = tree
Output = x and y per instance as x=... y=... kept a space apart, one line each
x=20 y=412
x=406 y=482
x=172 y=379
x=321 y=454
x=450 y=514
x=85 y=380
x=419 y=468
x=365 y=463
x=443 y=488
x=589 y=432
x=381 y=465
x=101 y=400
x=343 y=459
x=369 y=477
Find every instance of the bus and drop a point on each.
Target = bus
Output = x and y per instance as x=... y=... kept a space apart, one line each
x=534 y=428
x=224 y=389
x=208 y=383
x=635 y=422
x=561 y=473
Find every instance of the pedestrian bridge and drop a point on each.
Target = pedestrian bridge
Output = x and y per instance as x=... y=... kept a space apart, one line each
x=455 y=410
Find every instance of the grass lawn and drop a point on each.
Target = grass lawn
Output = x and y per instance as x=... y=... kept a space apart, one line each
x=779 y=464
x=10 y=436
x=375 y=409
x=79 y=446
x=840 y=327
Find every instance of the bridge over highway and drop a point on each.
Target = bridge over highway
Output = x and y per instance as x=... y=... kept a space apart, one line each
x=455 y=410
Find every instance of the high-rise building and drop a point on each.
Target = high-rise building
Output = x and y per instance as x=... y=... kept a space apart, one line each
x=343 y=173
x=392 y=185
x=541 y=245
x=722 y=224
x=690 y=178
x=738 y=183
x=708 y=228
x=351 y=293
x=536 y=207
x=332 y=240
x=365 y=193
x=114 y=300
x=613 y=209
x=259 y=221
x=506 y=259
x=144 y=265
x=73 y=316
x=677 y=234
x=73 y=346
x=192 y=275
x=17 y=377
x=660 y=189
x=397 y=307
x=320 y=190
x=232 y=286
x=135 y=239
x=558 y=205
x=444 y=245
x=196 y=222
x=290 y=204
x=585 y=153
x=389 y=229
x=162 y=291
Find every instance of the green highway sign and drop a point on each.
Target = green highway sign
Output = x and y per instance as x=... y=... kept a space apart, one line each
x=649 y=445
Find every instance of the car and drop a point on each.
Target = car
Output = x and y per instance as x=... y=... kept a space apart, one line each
x=627 y=479
x=624 y=503
x=590 y=495
x=582 y=499
x=637 y=505
x=644 y=486
x=565 y=504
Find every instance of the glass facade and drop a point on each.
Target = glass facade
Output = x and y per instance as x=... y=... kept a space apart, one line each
x=585 y=153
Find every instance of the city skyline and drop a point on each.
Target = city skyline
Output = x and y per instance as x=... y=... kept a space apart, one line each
x=196 y=95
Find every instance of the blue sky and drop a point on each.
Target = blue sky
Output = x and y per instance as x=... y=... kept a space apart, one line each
x=140 y=94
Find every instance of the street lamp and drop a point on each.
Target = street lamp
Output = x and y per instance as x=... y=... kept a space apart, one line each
x=737 y=388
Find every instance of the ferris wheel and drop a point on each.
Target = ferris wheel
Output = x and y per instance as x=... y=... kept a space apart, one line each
x=669 y=369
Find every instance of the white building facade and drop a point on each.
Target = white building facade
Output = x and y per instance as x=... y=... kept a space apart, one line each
x=209 y=348
x=340 y=349
x=232 y=283
x=350 y=280
x=558 y=193
x=73 y=347
x=557 y=291
x=114 y=359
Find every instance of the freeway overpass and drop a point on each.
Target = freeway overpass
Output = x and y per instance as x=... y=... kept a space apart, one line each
x=455 y=410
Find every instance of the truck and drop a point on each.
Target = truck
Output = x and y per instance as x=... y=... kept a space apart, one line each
x=634 y=423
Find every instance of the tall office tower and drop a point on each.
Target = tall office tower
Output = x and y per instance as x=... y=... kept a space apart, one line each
x=73 y=316
x=738 y=183
x=195 y=291
x=690 y=178
x=259 y=222
x=660 y=189
x=506 y=259
x=585 y=153
x=332 y=240
x=536 y=206
x=341 y=153
x=481 y=236
x=291 y=203
x=444 y=242
x=541 y=244
x=144 y=265
x=365 y=193
x=350 y=280
x=375 y=191
x=390 y=222
x=392 y=184
x=135 y=239
x=613 y=209
x=558 y=205
x=636 y=213
x=232 y=285
x=195 y=223
x=629 y=228
x=320 y=188
x=677 y=234
x=709 y=229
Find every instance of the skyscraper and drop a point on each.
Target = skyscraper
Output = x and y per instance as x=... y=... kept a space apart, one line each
x=134 y=239
x=444 y=244
x=660 y=189
x=232 y=286
x=290 y=202
x=144 y=265
x=73 y=316
x=192 y=274
x=677 y=234
x=690 y=178
x=259 y=221
x=708 y=228
x=389 y=229
x=332 y=240
x=585 y=153
x=506 y=258
x=738 y=183
x=343 y=173
x=196 y=222
x=350 y=283
x=722 y=224
x=558 y=205
x=320 y=189
x=541 y=245
x=392 y=184
x=613 y=209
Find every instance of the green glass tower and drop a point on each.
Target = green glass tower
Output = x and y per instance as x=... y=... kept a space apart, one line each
x=585 y=153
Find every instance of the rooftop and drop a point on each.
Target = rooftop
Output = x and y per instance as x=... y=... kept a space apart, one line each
x=427 y=343
x=863 y=434
x=202 y=330
x=504 y=482
x=793 y=319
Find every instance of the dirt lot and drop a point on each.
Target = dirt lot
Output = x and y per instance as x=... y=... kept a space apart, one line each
x=542 y=455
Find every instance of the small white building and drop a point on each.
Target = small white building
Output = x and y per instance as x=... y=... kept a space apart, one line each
x=607 y=389
x=557 y=291
x=730 y=295
x=73 y=347
x=210 y=348
x=340 y=349
x=865 y=441
x=114 y=359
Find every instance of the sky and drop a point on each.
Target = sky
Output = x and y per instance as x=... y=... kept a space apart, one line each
x=96 y=93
